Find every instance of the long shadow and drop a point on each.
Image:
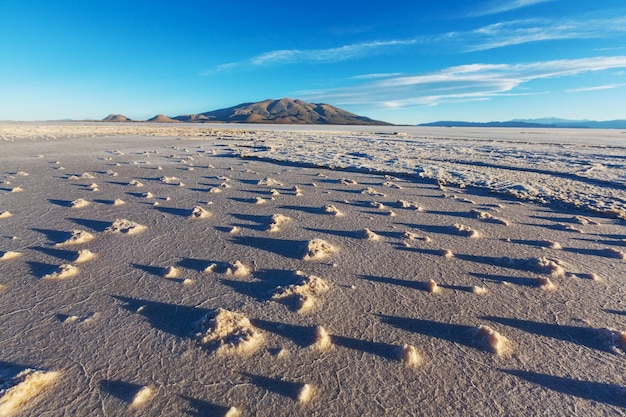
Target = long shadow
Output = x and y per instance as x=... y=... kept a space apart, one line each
x=455 y=333
x=9 y=370
x=125 y=391
x=41 y=269
x=97 y=225
x=611 y=394
x=384 y=350
x=583 y=336
x=177 y=320
x=153 y=270
x=107 y=202
x=284 y=247
x=536 y=243
x=427 y=228
x=603 y=253
x=195 y=263
x=66 y=255
x=416 y=285
x=62 y=203
x=300 y=335
x=261 y=222
x=341 y=233
x=266 y=282
x=54 y=236
x=201 y=408
x=304 y=209
x=463 y=214
x=174 y=211
x=618 y=312
x=525 y=282
x=278 y=386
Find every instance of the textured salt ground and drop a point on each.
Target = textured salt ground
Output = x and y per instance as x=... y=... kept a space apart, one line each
x=139 y=330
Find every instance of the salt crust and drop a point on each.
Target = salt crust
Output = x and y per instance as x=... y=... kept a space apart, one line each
x=19 y=392
x=317 y=249
x=228 y=332
x=125 y=227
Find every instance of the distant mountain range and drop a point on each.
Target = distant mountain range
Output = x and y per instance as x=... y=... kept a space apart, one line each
x=283 y=111
x=537 y=123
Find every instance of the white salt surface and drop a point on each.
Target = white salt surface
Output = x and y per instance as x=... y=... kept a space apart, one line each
x=526 y=318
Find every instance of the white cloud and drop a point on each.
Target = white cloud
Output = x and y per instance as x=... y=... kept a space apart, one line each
x=500 y=6
x=460 y=83
x=595 y=88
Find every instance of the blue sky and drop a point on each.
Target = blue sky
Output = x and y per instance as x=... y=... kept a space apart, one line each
x=400 y=61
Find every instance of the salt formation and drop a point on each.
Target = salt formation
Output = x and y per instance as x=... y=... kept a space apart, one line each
x=227 y=332
x=367 y=234
x=409 y=355
x=466 y=231
x=84 y=255
x=142 y=396
x=332 y=210
x=5 y=215
x=62 y=272
x=487 y=338
x=305 y=393
x=303 y=292
x=19 y=392
x=238 y=269
x=614 y=340
x=317 y=249
x=8 y=255
x=433 y=287
x=76 y=238
x=488 y=217
x=170 y=272
x=126 y=227
x=322 y=338
x=135 y=183
x=79 y=203
x=200 y=213
x=276 y=221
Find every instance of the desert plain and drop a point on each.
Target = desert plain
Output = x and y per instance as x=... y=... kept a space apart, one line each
x=248 y=270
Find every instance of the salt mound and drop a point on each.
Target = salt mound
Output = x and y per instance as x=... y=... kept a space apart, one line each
x=233 y=412
x=348 y=181
x=615 y=340
x=5 y=215
x=371 y=191
x=17 y=189
x=332 y=210
x=615 y=253
x=466 y=231
x=259 y=200
x=305 y=393
x=554 y=267
x=409 y=355
x=228 y=332
x=168 y=180
x=17 y=393
x=78 y=237
x=322 y=338
x=126 y=227
x=488 y=217
x=62 y=272
x=276 y=221
x=135 y=183
x=410 y=205
x=487 y=338
x=84 y=255
x=303 y=292
x=545 y=284
x=270 y=182
x=118 y=202
x=317 y=249
x=238 y=269
x=433 y=287
x=170 y=272
x=79 y=203
x=369 y=235
x=200 y=213
x=6 y=256
x=142 y=397
x=479 y=290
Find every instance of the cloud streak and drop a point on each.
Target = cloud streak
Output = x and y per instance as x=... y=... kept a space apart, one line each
x=493 y=36
x=460 y=83
x=500 y=6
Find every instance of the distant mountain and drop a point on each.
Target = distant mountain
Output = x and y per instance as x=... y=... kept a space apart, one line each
x=116 y=118
x=283 y=111
x=160 y=118
x=537 y=123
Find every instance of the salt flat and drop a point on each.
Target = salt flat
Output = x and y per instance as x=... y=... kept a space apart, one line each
x=285 y=270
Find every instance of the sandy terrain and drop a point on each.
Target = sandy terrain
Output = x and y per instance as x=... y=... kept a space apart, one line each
x=280 y=271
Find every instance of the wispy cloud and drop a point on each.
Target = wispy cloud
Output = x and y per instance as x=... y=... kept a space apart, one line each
x=595 y=88
x=460 y=83
x=501 y=6
x=497 y=35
